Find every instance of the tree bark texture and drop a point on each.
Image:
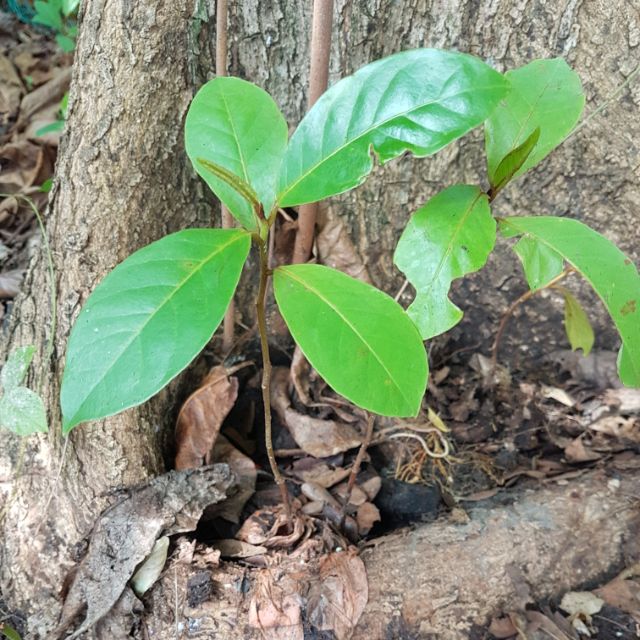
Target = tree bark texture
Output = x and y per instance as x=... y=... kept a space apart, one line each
x=123 y=180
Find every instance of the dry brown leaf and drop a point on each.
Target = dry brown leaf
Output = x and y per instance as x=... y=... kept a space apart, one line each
x=502 y=628
x=319 y=438
x=321 y=473
x=48 y=94
x=201 y=417
x=11 y=91
x=338 y=599
x=336 y=249
x=624 y=399
x=300 y=369
x=237 y=549
x=366 y=517
x=10 y=283
x=618 y=427
x=276 y=607
x=576 y=451
x=268 y=527
x=538 y=621
x=357 y=497
x=623 y=592
x=245 y=473
x=23 y=165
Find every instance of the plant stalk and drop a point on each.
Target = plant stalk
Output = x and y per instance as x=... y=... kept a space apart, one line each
x=266 y=374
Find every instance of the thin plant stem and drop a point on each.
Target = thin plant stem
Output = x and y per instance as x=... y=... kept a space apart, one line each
x=514 y=305
x=318 y=79
x=228 y=327
x=355 y=469
x=266 y=374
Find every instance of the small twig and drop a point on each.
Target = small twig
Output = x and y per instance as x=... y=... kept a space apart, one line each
x=402 y=289
x=355 y=469
x=514 y=305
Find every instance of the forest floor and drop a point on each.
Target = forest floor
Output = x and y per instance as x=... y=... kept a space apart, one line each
x=483 y=429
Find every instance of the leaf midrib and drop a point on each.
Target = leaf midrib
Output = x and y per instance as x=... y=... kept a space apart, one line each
x=349 y=324
x=200 y=266
x=401 y=114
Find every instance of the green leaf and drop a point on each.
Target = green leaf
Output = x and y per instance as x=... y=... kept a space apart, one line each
x=49 y=14
x=66 y=43
x=576 y=323
x=513 y=161
x=45 y=187
x=148 y=319
x=149 y=572
x=540 y=262
x=15 y=368
x=9 y=632
x=613 y=276
x=56 y=126
x=415 y=101
x=450 y=236
x=545 y=95
x=70 y=6
x=22 y=411
x=357 y=337
x=235 y=137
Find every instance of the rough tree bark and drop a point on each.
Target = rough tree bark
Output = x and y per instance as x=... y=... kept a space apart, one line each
x=123 y=180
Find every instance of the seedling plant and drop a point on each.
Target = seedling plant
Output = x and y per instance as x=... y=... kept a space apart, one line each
x=152 y=315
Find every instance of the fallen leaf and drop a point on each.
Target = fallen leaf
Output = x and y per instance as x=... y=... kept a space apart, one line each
x=245 y=473
x=319 y=438
x=336 y=249
x=320 y=473
x=125 y=534
x=201 y=417
x=559 y=395
x=237 y=549
x=276 y=607
x=581 y=603
x=11 y=91
x=337 y=600
x=538 y=621
x=300 y=368
x=576 y=451
x=623 y=592
x=268 y=527
x=50 y=93
x=150 y=570
x=502 y=628
x=10 y=282
x=618 y=427
x=625 y=399
x=366 y=516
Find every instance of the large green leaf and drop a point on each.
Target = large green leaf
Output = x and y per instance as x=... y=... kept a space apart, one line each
x=416 y=101
x=545 y=95
x=148 y=319
x=540 y=262
x=22 y=411
x=357 y=337
x=235 y=137
x=613 y=276
x=15 y=368
x=450 y=236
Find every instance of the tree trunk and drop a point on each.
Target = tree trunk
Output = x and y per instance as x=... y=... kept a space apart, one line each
x=123 y=180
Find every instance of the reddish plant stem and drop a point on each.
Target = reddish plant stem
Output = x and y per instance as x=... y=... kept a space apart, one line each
x=514 y=305
x=355 y=469
x=318 y=78
x=228 y=327
x=266 y=374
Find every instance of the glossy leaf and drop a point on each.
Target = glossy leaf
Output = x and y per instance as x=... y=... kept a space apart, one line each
x=545 y=95
x=613 y=276
x=22 y=411
x=357 y=337
x=49 y=14
x=576 y=323
x=148 y=319
x=415 y=101
x=9 y=632
x=540 y=262
x=450 y=236
x=15 y=368
x=513 y=161
x=235 y=136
